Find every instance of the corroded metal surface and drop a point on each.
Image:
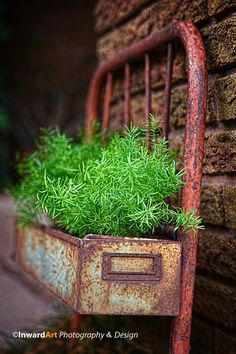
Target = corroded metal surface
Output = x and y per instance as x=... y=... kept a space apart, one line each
x=191 y=193
x=148 y=97
x=52 y=258
x=193 y=146
x=127 y=94
x=130 y=276
x=107 y=102
x=167 y=94
x=104 y=274
x=101 y=287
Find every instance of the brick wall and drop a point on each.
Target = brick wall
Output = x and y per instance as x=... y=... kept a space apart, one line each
x=120 y=23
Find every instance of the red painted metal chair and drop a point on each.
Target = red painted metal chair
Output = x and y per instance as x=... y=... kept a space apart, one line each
x=73 y=250
x=194 y=137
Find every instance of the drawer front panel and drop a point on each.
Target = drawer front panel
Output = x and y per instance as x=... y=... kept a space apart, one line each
x=122 y=276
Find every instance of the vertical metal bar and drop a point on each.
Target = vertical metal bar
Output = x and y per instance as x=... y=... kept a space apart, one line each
x=127 y=84
x=194 y=147
x=148 y=97
x=167 y=93
x=75 y=326
x=190 y=198
x=106 y=105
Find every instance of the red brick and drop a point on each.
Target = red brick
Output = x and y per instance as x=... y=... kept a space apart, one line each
x=221 y=101
x=153 y=17
x=110 y=13
x=225 y=92
x=224 y=343
x=217 y=253
x=212 y=210
x=219 y=40
x=217 y=6
x=202 y=337
x=158 y=74
x=216 y=301
x=230 y=206
x=221 y=97
x=220 y=155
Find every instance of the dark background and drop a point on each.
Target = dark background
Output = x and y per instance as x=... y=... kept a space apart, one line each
x=47 y=57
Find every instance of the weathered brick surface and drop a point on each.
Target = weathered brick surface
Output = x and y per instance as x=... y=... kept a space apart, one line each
x=224 y=343
x=220 y=152
x=220 y=156
x=212 y=205
x=139 y=27
x=220 y=148
x=221 y=101
x=108 y=13
x=218 y=205
x=215 y=301
x=225 y=94
x=217 y=6
x=221 y=98
x=218 y=202
x=158 y=74
x=177 y=110
x=217 y=253
x=219 y=40
x=202 y=337
x=230 y=206
x=137 y=110
x=155 y=16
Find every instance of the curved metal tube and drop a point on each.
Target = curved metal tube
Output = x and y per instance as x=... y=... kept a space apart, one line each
x=193 y=147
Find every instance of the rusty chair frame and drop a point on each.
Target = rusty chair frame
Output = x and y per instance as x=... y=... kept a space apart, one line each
x=189 y=36
x=41 y=252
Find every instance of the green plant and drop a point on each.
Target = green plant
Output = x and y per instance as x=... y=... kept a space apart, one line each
x=118 y=189
x=58 y=156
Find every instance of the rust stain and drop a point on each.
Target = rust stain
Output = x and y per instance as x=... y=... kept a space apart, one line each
x=147 y=285
x=190 y=37
x=104 y=274
x=51 y=260
x=131 y=266
x=127 y=94
x=88 y=291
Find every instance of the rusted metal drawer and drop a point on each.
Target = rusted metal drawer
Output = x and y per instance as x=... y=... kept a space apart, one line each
x=133 y=276
x=52 y=258
x=105 y=274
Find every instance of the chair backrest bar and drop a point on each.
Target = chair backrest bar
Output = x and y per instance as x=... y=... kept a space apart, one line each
x=194 y=135
x=196 y=97
x=167 y=94
x=107 y=102
x=127 y=89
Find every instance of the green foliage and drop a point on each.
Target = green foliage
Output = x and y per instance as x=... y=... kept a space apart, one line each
x=118 y=189
x=57 y=156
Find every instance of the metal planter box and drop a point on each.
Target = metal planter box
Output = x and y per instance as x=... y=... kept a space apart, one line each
x=104 y=274
x=110 y=275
